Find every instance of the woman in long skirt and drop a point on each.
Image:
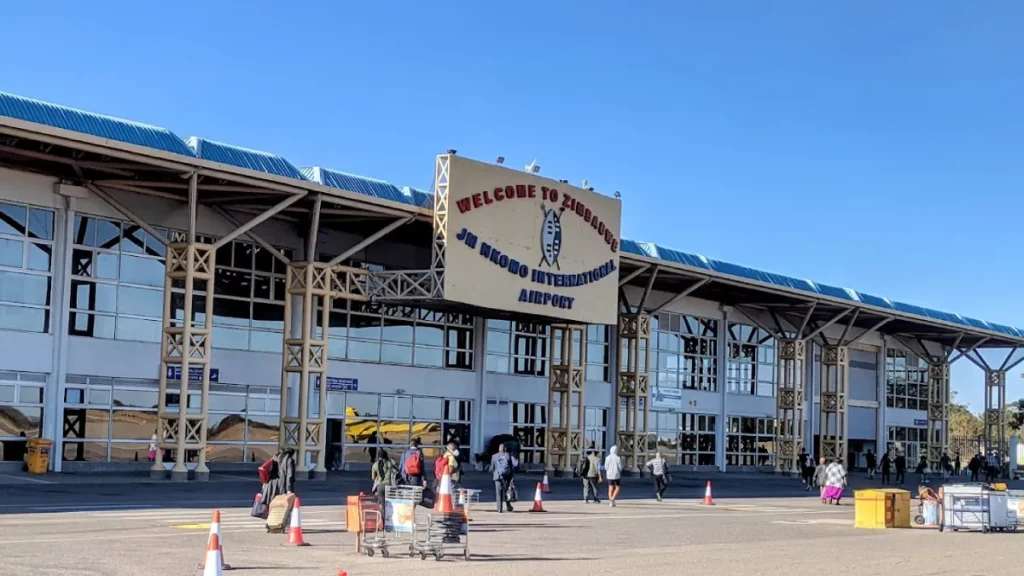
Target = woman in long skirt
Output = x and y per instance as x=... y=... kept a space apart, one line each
x=835 y=480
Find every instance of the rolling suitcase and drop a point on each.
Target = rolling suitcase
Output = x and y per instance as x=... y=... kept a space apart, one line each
x=280 y=513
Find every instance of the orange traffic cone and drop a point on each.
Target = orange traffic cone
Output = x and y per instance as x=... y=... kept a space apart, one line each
x=708 y=500
x=295 y=528
x=538 y=506
x=213 y=557
x=444 y=494
x=215 y=531
x=544 y=484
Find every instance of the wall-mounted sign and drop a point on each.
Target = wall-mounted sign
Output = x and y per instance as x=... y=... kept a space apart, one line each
x=920 y=422
x=622 y=402
x=195 y=374
x=338 y=384
x=521 y=243
x=666 y=398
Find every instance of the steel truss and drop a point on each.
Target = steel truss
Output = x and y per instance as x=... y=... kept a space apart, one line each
x=633 y=389
x=567 y=359
x=312 y=286
x=790 y=418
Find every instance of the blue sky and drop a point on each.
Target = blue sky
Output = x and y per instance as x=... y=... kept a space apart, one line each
x=872 y=145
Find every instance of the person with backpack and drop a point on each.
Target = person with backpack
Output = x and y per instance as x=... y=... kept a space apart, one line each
x=613 y=473
x=503 y=466
x=384 y=474
x=411 y=466
x=449 y=461
x=589 y=469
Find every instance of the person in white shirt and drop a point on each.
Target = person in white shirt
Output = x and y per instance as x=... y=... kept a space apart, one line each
x=659 y=469
x=613 y=472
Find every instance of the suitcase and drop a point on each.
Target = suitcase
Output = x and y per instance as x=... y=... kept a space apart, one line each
x=280 y=513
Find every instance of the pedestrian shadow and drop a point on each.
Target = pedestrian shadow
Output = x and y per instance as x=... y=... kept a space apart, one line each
x=496 y=558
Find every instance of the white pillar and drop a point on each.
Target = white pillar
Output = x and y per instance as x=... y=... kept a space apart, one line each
x=722 y=361
x=53 y=424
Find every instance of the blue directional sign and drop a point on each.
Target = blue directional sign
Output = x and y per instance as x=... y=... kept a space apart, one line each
x=337 y=384
x=919 y=422
x=195 y=374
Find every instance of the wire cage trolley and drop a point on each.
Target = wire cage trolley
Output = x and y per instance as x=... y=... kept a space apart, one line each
x=395 y=524
x=966 y=507
x=441 y=533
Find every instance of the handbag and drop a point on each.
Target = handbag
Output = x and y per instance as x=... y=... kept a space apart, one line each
x=510 y=493
x=259 y=509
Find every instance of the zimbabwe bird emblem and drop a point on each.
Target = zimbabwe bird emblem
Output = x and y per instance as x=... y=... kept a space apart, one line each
x=551 y=236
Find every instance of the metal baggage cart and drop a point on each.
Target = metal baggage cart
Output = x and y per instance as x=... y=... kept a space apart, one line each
x=966 y=507
x=439 y=534
x=468 y=498
x=396 y=524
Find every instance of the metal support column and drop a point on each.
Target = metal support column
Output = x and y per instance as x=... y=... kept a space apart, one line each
x=306 y=356
x=567 y=359
x=790 y=417
x=938 y=413
x=995 y=412
x=186 y=344
x=835 y=382
x=633 y=389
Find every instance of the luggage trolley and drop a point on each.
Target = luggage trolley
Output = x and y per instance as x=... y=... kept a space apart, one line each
x=396 y=524
x=441 y=533
x=966 y=507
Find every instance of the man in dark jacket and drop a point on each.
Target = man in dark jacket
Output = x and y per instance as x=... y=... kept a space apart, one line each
x=886 y=466
x=870 y=461
x=901 y=469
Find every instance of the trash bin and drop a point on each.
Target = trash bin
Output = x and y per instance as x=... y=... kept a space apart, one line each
x=37 y=460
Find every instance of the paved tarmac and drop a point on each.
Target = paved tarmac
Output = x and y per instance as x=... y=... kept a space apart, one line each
x=759 y=525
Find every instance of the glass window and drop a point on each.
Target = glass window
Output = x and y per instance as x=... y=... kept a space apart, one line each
x=752 y=361
x=12 y=252
x=140 y=302
x=906 y=380
x=750 y=441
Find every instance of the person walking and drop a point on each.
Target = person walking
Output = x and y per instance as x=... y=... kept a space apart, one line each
x=411 y=466
x=901 y=469
x=384 y=473
x=819 y=478
x=945 y=465
x=922 y=469
x=503 y=467
x=448 y=460
x=613 y=473
x=807 y=468
x=870 y=460
x=886 y=468
x=957 y=465
x=589 y=470
x=974 y=466
x=835 y=480
x=659 y=470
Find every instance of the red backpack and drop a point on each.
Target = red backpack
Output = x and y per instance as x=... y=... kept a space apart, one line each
x=266 y=471
x=414 y=463
x=440 y=466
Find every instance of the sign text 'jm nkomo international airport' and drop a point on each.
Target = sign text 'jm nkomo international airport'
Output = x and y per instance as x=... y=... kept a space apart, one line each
x=521 y=243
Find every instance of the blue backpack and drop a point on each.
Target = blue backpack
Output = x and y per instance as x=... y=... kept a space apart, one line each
x=503 y=466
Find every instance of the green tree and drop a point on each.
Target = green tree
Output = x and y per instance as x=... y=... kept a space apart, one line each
x=1015 y=415
x=962 y=422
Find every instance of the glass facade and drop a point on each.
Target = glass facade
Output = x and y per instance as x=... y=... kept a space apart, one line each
x=686 y=350
x=359 y=424
x=529 y=424
x=912 y=442
x=117 y=284
x=906 y=380
x=517 y=348
x=752 y=361
x=26 y=267
x=684 y=439
x=388 y=334
x=750 y=441
x=21 y=412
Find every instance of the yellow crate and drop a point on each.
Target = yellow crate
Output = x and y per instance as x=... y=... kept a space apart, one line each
x=999 y=487
x=880 y=509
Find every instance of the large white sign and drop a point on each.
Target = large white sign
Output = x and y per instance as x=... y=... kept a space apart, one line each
x=521 y=243
x=667 y=398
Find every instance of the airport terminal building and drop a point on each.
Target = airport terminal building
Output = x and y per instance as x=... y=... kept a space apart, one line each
x=183 y=305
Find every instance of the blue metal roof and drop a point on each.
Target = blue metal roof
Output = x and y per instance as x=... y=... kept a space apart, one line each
x=164 y=140
x=243 y=158
x=368 y=186
x=107 y=127
x=654 y=251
